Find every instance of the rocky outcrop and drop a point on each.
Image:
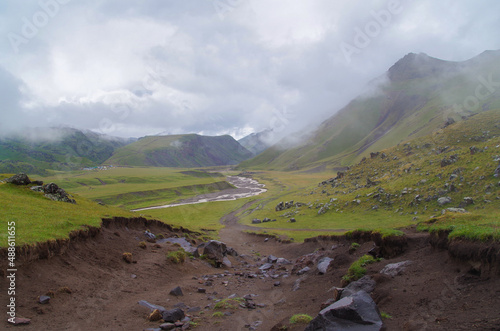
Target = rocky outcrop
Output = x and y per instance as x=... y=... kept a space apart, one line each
x=19 y=179
x=54 y=192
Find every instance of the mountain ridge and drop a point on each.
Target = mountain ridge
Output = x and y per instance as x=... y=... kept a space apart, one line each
x=420 y=95
x=189 y=150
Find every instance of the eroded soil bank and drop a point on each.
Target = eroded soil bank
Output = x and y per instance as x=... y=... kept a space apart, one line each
x=437 y=291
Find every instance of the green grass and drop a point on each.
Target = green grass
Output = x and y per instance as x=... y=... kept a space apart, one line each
x=197 y=217
x=138 y=187
x=229 y=303
x=40 y=219
x=474 y=227
x=414 y=165
x=218 y=314
x=177 y=257
x=300 y=319
x=357 y=269
x=385 y=315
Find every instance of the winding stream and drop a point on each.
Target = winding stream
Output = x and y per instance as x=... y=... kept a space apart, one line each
x=245 y=187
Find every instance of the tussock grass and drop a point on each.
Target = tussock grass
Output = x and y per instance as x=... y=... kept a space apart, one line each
x=357 y=269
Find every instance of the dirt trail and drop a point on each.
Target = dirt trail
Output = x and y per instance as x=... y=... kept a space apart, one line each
x=434 y=293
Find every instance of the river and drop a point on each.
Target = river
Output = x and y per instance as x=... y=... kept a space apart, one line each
x=245 y=187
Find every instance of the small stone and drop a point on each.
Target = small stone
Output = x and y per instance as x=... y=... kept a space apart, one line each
x=296 y=285
x=226 y=262
x=395 y=269
x=167 y=326
x=44 y=299
x=444 y=200
x=202 y=290
x=277 y=283
x=194 y=310
x=272 y=259
x=266 y=266
x=21 y=321
x=303 y=271
x=176 y=292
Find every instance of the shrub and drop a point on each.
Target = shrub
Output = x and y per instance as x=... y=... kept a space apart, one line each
x=142 y=245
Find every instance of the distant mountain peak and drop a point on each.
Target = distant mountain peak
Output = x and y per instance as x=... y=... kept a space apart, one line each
x=419 y=65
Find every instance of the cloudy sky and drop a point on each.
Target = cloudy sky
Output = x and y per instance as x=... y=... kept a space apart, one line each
x=134 y=68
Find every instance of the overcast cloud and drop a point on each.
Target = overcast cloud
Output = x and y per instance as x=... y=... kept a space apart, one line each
x=134 y=68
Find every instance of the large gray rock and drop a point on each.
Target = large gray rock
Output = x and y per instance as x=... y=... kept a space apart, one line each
x=19 y=179
x=323 y=264
x=395 y=269
x=215 y=250
x=173 y=315
x=354 y=313
x=365 y=283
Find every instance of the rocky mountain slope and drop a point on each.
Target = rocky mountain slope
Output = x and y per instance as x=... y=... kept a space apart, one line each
x=37 y=150
x=185 y=151
x=418 y=95
x=257 y=142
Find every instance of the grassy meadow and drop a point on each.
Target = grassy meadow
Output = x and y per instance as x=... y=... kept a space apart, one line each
x=138 y=187
x=396 y=188
x=40 y=219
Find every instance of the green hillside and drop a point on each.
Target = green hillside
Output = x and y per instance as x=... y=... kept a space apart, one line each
x=401 y=186
x=36 y=151
x=420 y=95
x=183 y=151
x=38 y=219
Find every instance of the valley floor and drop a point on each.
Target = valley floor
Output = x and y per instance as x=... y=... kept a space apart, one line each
x=434 y=293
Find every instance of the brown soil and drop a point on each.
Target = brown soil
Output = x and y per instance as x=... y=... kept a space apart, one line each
x=436 y=292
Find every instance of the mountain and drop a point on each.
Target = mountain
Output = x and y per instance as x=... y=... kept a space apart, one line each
x=418 y=95
x=190 y=150
x=36 y=150
x=258 y=142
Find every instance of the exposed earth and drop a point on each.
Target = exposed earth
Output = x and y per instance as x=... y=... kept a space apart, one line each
x=435 y=292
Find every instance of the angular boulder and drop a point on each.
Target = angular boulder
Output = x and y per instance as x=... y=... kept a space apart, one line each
x=19 y=179
x=365 y=283
x=356 y=312
x=216 y=251
x=173 y=315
